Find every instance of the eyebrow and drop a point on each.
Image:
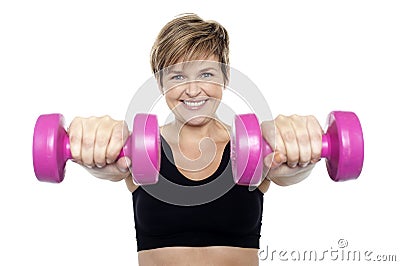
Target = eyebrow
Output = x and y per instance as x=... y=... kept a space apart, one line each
x=208 y=69
x=181 y=71
x=176 y=72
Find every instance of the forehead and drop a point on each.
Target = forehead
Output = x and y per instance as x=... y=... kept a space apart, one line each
x=195 y=65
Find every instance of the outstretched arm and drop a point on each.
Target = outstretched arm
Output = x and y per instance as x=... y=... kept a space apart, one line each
x=297 y=141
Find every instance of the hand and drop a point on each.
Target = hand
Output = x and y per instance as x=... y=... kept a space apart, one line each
x=298 y=142
x=96 y=142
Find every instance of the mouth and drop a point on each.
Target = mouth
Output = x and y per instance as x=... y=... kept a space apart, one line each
x=194 y=104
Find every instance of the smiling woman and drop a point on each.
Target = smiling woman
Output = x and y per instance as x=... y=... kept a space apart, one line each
x=190 y=61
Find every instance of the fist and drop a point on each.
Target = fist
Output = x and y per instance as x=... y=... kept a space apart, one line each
x=297 y=142
x=96 y=142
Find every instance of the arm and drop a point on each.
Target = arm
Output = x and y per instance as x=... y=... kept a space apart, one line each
x=289 y=176
x=285 y=179
x=297 y=141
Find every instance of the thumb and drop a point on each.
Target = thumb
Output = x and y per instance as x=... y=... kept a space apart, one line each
x=268 y=160
x=274 y=160
x=123 y=164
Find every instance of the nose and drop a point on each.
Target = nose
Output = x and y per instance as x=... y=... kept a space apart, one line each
x=193 y=89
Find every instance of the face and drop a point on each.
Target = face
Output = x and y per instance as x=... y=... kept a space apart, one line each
x=193 y=90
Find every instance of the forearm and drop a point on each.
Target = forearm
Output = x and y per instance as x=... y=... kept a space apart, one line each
x=110 y=174
x=289 y=176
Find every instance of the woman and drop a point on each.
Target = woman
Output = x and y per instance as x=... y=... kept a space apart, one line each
x=224 y=231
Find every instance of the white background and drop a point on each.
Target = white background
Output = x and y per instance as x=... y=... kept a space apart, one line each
x=88 y=58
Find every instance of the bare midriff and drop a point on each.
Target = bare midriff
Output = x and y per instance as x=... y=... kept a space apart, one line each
x=213 y=255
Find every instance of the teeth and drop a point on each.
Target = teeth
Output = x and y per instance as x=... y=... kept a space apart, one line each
x=193 y=104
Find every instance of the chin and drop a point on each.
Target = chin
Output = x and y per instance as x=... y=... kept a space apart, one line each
x=196 y=121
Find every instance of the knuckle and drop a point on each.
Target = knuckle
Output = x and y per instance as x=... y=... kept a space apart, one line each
x=101 y=140
x=303 y=139
x=76 y=155
x=124 y=125
x=316 y=138
x=92 y=121
x=117 y=135
x=87 y=142
x=99 y=160
x=111 y=155
x=312 y=118
x=293 y=154
x=292 y=162
x=305 y=156
x=75 y=124
x=106 y=118
x=77 y=119
x=268 y=129
x=88 y=121
x=288 y=136
x=313 y=122
x=298 y=119
x=74 y=139
x=281 y=118
x=119 y=130
x=315 y=155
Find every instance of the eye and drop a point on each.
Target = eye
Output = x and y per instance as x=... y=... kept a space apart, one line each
x=206 y=75
x=177 y=77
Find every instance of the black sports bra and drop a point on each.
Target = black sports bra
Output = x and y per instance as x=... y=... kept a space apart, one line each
x=233 y=219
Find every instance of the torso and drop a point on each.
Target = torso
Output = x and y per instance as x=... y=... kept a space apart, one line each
x=214 y=255
x=211 y=255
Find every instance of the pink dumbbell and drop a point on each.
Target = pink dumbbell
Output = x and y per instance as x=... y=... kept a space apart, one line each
x=51 y=148
x=342 y=146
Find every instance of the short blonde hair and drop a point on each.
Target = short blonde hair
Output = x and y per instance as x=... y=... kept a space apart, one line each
x=189 y=37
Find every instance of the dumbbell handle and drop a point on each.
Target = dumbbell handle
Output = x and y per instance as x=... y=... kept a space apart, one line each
x=325 y=150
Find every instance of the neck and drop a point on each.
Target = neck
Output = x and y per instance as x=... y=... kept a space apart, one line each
x=213 y=129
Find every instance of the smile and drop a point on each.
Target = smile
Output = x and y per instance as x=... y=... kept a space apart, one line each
x=194 y=103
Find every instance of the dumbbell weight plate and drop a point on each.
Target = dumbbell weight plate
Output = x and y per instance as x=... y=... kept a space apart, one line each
x=346 y=146
x=246 y=150
x=144 y=149
x=49 y=153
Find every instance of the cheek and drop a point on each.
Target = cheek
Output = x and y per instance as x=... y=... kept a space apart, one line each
x=171 y=99
x=215 y=91
x=172 y=94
